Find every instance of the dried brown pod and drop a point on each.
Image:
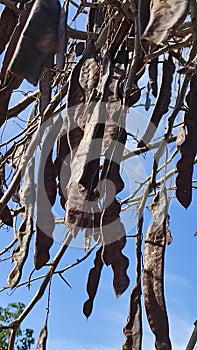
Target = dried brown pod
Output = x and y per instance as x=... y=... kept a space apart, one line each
x=133 y=328
x=8 y=21
x=25 y=231
x=38 y=40
x=5 y=215
x=153 y=73
x=45 y=85
x=8 y=84
x=162 y=103
x=42 y=339
x=5 y=95
x=14 y=40
x=62 y=164
x=114 y=240
x=85 y=157
x=188 y=150
x=45 y=199
x=165 y=18
x=79 y=48
x=153 y=278
x=143 y=14
x=93 y=282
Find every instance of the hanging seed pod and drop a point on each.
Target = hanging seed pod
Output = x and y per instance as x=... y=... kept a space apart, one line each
x=38 y=41
x=42 y=339
x=143 y=14
x=62 y=164
x=46 y=196
x=153 y=73
x=45 y=218
x=90 y=71
x=5 y=215
x=114 y=240
x=8 y=84
x=163 y=101
x=85 y=161
x=14 y=40
x=133 y=328
x=92 y=284
x=8 y=21
x=45 y=85
x=25 y=231
x=121 y=280
x=153 y=279
x=165 y=18
x=188 y=150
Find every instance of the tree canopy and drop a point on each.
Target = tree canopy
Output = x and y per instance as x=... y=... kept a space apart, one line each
x=131 y=54
x=24 y=338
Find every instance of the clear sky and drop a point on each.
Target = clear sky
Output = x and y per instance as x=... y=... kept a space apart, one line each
x=68 y=327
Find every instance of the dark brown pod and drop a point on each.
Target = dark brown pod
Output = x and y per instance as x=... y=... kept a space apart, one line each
x=153 y=73
x=92 y=284
x=133 y=328
x=153 y=279
x=38 y=40
x=162 y=102
x=8 y=21
x=188 y=150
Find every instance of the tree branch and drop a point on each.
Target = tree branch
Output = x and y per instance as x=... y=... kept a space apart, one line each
x=40 y=291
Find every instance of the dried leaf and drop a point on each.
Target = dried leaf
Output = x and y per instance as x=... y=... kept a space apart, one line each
x=162 y=102
x=42 y=340
x=25 y=231
x=8 y=21
x=188 y=150
x=133 y=328
x=37 y=42
x=92 y=284
x=153 y=279
x=165 y=18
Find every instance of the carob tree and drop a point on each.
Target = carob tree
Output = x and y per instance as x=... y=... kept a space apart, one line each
x=87 y=81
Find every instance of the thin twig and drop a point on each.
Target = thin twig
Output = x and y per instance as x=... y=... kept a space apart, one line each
x=40 y=291
x=6 y=249
x=170 y=47
x=15 y=110
x=68 y=267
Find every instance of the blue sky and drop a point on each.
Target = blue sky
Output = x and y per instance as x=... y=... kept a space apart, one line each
x=68 y=328
x=103 y=330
